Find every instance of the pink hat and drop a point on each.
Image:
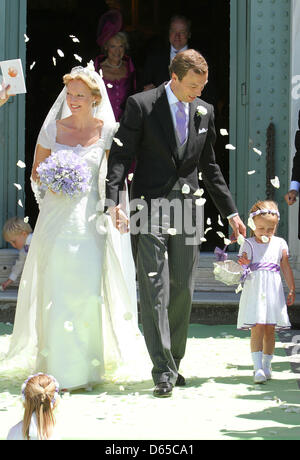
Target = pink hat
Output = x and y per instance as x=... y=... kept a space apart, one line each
x=109 y=25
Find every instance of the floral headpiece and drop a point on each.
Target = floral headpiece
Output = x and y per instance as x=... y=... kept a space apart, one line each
x=274 y=212
x=51 y=377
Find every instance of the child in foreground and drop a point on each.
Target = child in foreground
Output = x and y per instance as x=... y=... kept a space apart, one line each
x=40 y=398
x=19 y=234
x=263 y=308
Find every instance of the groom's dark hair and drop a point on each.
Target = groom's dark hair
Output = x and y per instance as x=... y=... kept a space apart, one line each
x=188 y=60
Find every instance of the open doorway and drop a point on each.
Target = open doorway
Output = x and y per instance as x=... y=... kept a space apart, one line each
x=50 y=24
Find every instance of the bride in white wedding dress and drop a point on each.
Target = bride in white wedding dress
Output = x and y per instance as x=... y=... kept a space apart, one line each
x=76 y=315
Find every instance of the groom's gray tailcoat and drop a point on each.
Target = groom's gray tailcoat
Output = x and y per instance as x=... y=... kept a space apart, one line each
x=148 y=136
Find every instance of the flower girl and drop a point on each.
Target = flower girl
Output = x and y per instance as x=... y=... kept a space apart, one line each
x=40 y=398
x=262 y=305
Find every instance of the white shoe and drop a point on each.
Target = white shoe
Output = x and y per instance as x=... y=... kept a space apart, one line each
x=259 y=376
x=268 y=373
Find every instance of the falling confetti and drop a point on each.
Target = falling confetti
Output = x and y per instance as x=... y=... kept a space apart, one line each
x=20 y=203
x=18 y=186
x=220 y=221
x=241 y=239
x=54 y=60
x=60 y=53
x=172 y=231
x=151 y=274
x=118 y=142
x=208 y=221
x=21 y=164
x=109 y=85
x=265 y=239
x=220 y=234
x=275 y=182
x=257 y=151
x=186 y=189
x=250 y=173
x=251 y=223
x=207 y=230
x=32 y=65
x=130 y=176
x=199 y=192
x=78 y=57
x=26 y=220
x=74 y=39
x=200 y=176
x=224 y=132
x=227 y=242
x=26 y=38
x=200 y=202
x=230 y=147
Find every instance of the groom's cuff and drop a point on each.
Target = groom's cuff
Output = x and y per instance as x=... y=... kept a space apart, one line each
x=232 y=215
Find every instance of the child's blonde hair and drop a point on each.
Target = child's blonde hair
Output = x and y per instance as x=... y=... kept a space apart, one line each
x=40 y=395
x=15 y=226
x=266 y=204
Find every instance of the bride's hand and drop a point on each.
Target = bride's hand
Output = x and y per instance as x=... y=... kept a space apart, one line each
x=119 y=219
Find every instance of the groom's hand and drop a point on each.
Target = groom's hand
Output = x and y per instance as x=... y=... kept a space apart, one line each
x=237 y=226
x=119 y=218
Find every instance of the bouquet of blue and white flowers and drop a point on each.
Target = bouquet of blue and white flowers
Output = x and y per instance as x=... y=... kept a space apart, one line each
x=65 y=172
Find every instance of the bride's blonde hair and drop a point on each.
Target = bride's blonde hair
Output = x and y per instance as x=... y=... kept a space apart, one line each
x=40 y=397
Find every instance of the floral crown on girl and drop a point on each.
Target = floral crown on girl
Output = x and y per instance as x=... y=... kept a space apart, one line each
x=274 y=212
x=35 y=375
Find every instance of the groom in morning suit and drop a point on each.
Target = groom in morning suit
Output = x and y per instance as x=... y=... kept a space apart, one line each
x=172 y=142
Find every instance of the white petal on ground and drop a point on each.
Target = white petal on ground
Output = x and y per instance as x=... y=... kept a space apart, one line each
x=275 y=182
x=68 y=326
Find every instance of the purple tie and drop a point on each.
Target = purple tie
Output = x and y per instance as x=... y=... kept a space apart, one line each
x=181 y=122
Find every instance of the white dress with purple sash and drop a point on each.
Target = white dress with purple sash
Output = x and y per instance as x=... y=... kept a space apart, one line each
x=262 y=300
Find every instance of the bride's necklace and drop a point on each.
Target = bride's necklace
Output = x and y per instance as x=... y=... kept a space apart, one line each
x=114 y=66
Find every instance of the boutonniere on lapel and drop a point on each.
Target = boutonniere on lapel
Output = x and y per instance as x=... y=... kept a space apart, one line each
x=201 y=111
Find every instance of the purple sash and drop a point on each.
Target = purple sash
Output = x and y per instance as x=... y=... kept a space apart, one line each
x=258 y=266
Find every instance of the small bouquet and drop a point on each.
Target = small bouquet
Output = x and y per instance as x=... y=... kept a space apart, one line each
x=65 y=172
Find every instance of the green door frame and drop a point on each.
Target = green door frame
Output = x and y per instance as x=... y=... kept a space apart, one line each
x=12 y=114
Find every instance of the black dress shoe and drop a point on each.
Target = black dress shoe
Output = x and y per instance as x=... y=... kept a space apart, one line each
x=180 y=382
x=163 y=390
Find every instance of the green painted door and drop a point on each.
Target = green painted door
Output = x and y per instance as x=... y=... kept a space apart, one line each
x=259 y=103
x=12 y=114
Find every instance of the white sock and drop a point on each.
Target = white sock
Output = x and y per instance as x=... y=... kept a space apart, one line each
x=257 y=360
x=267 y=361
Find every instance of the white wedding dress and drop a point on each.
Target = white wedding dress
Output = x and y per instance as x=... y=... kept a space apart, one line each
x=76 y=316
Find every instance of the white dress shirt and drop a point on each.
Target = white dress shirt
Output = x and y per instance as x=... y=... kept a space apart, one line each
x=174 y=51
x=20 y=262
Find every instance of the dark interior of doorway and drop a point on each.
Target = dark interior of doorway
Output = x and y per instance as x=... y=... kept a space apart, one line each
x=49 y=24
